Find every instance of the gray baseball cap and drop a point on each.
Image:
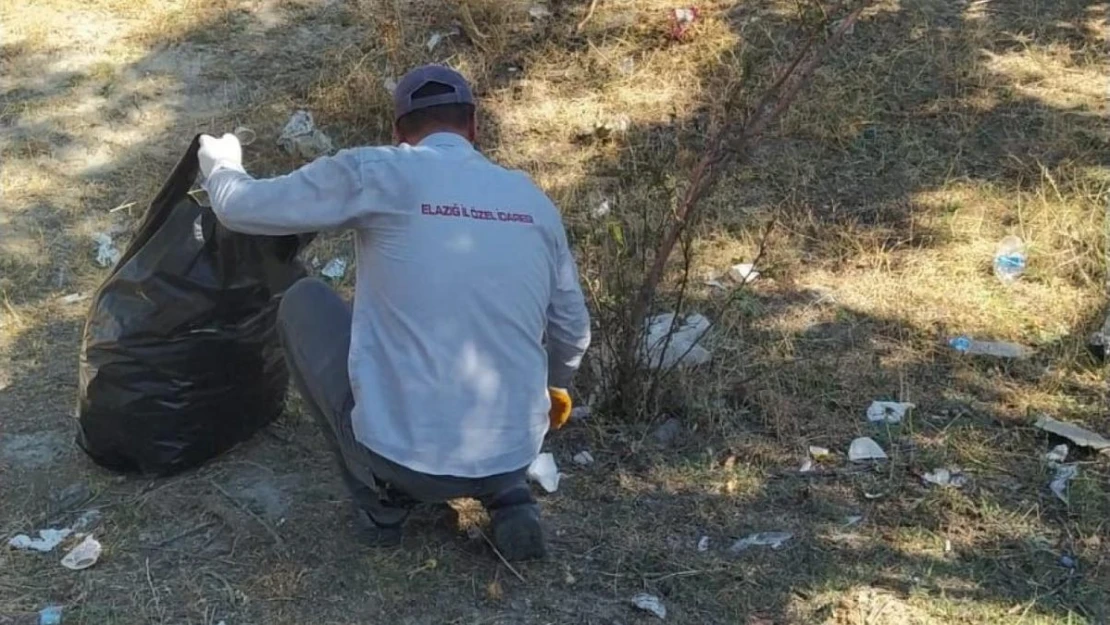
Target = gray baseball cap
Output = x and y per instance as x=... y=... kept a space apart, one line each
x=403 y=102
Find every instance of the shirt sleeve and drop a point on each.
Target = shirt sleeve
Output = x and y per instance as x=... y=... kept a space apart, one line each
x=568 y=320
x=326 y=194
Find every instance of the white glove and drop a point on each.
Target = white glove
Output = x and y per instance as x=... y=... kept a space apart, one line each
x=224 y=151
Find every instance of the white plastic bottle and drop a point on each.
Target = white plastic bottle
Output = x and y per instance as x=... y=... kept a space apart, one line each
x=1009 y=259
x=998 y=349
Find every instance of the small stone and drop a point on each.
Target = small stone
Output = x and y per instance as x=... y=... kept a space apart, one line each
x=583 y=458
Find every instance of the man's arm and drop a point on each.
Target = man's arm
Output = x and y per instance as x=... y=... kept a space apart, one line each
x=326 y=194
x=568 y=321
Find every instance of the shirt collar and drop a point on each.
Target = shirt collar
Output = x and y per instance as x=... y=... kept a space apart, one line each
x=445 y=140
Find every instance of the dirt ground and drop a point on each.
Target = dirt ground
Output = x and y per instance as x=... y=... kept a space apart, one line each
x=939 y=127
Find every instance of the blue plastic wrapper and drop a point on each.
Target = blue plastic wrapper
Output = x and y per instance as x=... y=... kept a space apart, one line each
x=50 y=615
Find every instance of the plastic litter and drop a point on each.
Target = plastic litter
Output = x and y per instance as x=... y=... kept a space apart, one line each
x=853 y=520
x=583 y=458
x=703 y=544
x=774 y=540
x=1074 y=433
x=683 y=348
x=1064 y=474
x=544 y=472
x=50 y=615
x=180 y=359
x=245 y=135
x=602 y=210
x=1058 y=454
x=73 y=298
x=817 y=453
x=538 y=11
x=998 y=349
x=301 y=137
x=335 y=269
x=46 y=542
x=1009 y=259
x=650 y=603
x=864 y=449
x=951 y=476
x=579 y=413
x=87 y=521
x=107 y=254
x=743 y=273
x=83 y=555
x=807 y=466
x=49 y=539
x=887 y=411
x=681 y=21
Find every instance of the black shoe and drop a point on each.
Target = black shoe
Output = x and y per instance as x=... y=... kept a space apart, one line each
x=517 y=533
x=376 y=535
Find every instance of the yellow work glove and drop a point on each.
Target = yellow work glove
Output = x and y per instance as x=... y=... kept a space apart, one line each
x=560 y=407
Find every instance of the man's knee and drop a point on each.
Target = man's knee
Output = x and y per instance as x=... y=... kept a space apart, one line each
x=298 y=301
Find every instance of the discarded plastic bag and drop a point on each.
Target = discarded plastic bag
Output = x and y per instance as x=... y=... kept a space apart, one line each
x=180 y=358
x=544 y=472
x=1074 y=433
x=335 y=269
x=774 y=540
x=887 y=411
x=301 y=137
x=650 y=603
x=107 y=254
x=47 y=540
x=682 y=348
x=743 y=273
x=1059 y=484
x=951 y=476
x=83 y=555
x=864 y=449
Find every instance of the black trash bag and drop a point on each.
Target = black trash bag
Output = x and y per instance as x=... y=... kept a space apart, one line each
x=180 y=356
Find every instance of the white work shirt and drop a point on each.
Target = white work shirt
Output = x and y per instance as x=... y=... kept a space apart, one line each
x=463 y=271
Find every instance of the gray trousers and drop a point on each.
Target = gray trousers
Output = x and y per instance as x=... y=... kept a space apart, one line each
x=315 y=328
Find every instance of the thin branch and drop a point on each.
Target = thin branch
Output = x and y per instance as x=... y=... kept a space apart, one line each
x=497 y=552
x=717 y=152
x=589 y=14
x=736 y=293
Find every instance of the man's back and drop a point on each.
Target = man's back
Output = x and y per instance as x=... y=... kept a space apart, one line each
x=454 y=281
x=462 y=268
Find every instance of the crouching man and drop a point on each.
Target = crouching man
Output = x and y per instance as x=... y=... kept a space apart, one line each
x=467 y=324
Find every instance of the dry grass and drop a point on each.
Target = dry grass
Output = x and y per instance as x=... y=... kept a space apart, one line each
x=939 y=128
